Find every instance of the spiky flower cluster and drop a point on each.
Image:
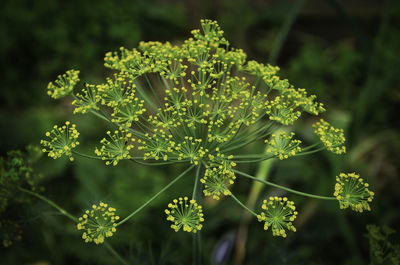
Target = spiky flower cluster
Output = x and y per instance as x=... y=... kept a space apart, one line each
x=278 y=213
x=64 y=84
x=116 y=147
x=333 y=138
x=351 y=191
x=62 y=139
x=185 y=214
x=98 y=223
x=283 y=145
x=218 y=177
x=87 y=100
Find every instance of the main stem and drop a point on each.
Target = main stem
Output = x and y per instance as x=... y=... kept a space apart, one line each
x=284 y=188
x=156 y=195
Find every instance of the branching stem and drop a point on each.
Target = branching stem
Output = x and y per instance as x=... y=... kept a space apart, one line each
x=156 y=195
x=284 y=188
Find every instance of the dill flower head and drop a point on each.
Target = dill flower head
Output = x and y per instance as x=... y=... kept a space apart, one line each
x=351 y=190
x=98 y=223
x=278 y=213
x=333 y=138
x=201 y=102
x=283 y=145
x=185 y=214
x=64 y=84
x=218 y=177
x=115 y=147
x=61 y=141
x=86 y=100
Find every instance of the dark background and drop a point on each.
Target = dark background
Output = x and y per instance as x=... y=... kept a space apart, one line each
x=345 y=52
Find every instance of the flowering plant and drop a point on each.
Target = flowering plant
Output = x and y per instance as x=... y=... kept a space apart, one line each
x=198 y=104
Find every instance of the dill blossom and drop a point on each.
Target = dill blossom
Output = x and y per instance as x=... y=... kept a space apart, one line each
x=185 y=214
x=282 y=145
x=278 y=213
x=62 y=139
x=333 y=138
x=198 y=103
x=64 y=84
x=98 y=223
x=352 y=191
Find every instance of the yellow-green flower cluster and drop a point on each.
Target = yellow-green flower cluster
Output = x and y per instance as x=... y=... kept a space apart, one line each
x=287 y=107
x=351 y=191
x=218 y=177
x=87 y=100
x=115 y=147
x=278 y=213
x=185 y=214
x=333 y=138
x=283 y=145
x=61 y=141
x=64 y=84
x=98 y=223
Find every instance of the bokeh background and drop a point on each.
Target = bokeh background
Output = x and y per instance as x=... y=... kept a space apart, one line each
x=345 y=52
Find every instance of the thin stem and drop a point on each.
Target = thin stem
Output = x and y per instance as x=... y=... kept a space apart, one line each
x=244 y=206
x=86 y=156
x=116 y=255
x=249 y=156
x=196 y=237
x=158 y=163
x=310 y=152
x=100 y=115
x=145 y=97
x=196 y=183
x=284 y=188
x=283 y=33
x=254 y=160
x=61 y=210
x=156 y=195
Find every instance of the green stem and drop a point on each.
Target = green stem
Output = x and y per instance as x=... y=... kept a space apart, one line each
x=86 y=156
x=196 y=237
x=196 y=183
x=61 y=210
x=117 y=256
x=244 y=206
x=284 y=188
x=249 y=156
x=158 y=163
x=310 y=152
x=294 y=12
x=70 y=216
x=145 y=97
x=254 y=160
x=99 y=115
x=156 y=195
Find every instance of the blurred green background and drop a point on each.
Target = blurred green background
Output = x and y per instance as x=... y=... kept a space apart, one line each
x=345 y=52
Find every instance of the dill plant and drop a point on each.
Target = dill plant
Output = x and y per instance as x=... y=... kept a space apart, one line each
x=197 y=104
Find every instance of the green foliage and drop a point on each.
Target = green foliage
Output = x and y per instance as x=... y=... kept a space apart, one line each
x=16 y=172
x=384 y=249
